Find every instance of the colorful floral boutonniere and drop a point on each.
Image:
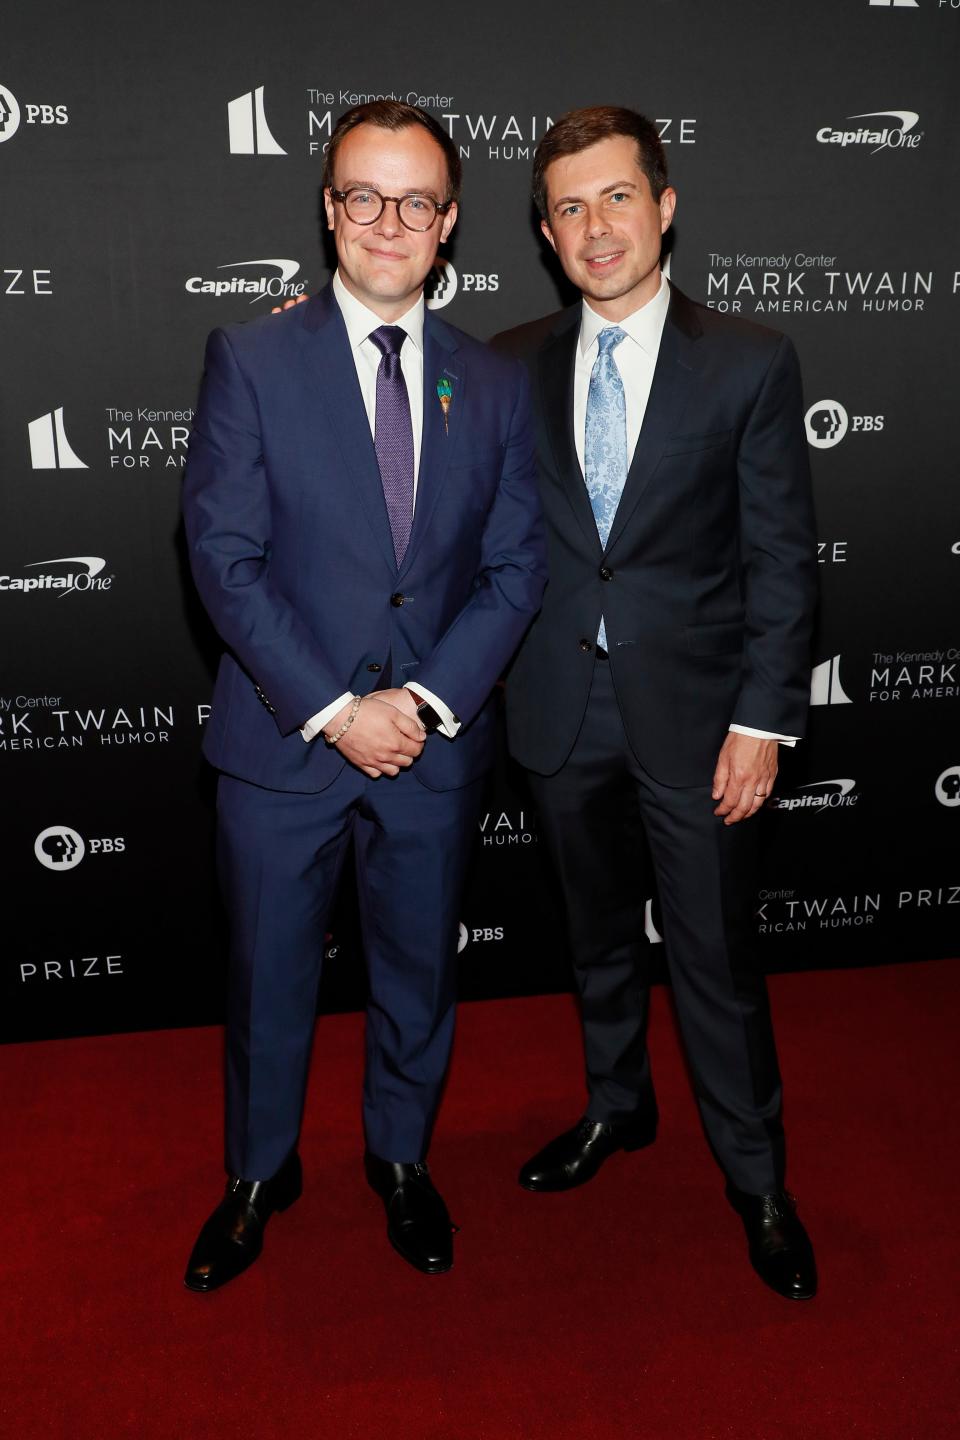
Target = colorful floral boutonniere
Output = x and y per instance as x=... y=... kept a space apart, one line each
x=445 y=396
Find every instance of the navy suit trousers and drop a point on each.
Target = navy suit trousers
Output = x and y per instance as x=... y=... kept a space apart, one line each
x=279 y=857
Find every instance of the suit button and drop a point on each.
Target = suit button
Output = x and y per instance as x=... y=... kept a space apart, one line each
x=373 y=667
x=397 y=599
x=606 y=573
x=586 y=646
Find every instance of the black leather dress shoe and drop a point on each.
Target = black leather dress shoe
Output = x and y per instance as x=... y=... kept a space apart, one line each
x=418 y=1225
x=576 y=1155
x=232 y=1238
x=780 y=1249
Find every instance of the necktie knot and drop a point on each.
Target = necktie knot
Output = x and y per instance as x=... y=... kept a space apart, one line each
x=389 y=339
x=609 y=338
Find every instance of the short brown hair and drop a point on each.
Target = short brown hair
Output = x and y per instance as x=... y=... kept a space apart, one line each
x=579 y=129
x=395 y=115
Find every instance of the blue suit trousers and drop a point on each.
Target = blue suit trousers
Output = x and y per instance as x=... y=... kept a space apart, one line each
x=279 y=856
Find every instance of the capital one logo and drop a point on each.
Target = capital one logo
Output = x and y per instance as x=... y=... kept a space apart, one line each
x=59 y=848
x=818 y=796
x=49 y=447
x=899 y=136
x=441 y=285
x=9 y=114
x=825 y=687
x=948 y=787
x=258 y=287
x=827 y=422
x=247 y=122
x=74 y=581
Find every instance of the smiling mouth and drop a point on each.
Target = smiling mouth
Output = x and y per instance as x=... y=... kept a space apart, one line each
x=599 y=262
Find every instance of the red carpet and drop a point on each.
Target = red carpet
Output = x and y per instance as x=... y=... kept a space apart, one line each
x=626 y=1309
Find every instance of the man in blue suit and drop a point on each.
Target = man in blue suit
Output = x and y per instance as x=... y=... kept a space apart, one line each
x=364 y=530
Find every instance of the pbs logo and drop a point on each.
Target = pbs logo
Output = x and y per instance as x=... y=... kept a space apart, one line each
x=59 y=848
x=9 y=114
x=827 y=422
x=947 y=788
x=441 y=285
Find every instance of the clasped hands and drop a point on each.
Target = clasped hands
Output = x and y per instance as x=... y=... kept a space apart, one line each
x=385 y=737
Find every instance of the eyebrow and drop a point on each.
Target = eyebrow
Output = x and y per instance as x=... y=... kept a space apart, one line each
x=607 y=190
x=372 y=185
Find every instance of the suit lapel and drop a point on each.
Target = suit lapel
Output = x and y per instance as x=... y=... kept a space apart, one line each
x=438 y=441
x=557 y=360
x=327 y=352
x=675 y=369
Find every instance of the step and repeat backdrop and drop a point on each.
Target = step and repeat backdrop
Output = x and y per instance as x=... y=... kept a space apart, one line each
x=159 y=173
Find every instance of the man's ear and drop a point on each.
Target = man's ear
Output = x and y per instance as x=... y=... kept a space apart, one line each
x=449 y=220
x=668 y=204
x=328 y=206
x=549 y=234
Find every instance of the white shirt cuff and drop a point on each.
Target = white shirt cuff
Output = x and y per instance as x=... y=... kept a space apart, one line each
x=322 y=719
x=450 y=724
x=764 y=734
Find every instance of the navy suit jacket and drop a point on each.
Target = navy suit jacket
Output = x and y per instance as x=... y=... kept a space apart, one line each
x=707 y=583
x=292 y=554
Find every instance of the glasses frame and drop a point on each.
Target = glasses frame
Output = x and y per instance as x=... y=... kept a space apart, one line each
x=440 y=207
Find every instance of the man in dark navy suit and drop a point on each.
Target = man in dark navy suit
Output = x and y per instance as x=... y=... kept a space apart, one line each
x=364 y=530
x=669 y=662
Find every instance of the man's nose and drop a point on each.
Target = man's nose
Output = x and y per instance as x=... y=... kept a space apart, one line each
x=389 y=220
x=598 y=222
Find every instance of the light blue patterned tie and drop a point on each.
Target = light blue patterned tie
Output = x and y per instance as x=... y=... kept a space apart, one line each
x=605 y=439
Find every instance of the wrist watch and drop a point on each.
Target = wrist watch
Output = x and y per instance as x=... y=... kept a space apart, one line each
x=426 y=714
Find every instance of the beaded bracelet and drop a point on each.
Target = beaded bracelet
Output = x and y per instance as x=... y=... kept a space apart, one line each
x=339 y=734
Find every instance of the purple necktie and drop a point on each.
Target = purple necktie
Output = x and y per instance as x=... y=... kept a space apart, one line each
x=393 y=436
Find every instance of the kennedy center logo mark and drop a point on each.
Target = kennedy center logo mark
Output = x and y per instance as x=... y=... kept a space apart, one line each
x=9 y=114
x=825 y=687
x=49 y=447
x=249 y=131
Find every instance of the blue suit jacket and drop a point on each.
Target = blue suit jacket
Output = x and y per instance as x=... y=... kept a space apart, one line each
x=291 y=550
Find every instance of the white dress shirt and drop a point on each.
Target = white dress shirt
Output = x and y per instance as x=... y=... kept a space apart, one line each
x=360 y=323
x=636 y=360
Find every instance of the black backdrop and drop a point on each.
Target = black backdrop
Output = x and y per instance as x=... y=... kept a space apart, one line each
x=160 y=169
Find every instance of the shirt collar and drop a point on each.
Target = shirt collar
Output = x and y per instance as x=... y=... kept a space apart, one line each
x=360 y=321
x=644 y=326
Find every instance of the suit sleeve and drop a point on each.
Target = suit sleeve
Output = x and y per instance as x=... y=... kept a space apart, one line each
x=470 y=657
x=778 y=553
x=226 y=509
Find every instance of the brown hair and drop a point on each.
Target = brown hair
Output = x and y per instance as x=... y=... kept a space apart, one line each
x=395 y=115
x=579 y=129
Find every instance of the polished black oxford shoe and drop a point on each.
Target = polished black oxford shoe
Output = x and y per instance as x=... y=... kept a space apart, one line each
x=418 y=1225
x=780 y=1249
x=574 y=1157
x=232 y=1238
